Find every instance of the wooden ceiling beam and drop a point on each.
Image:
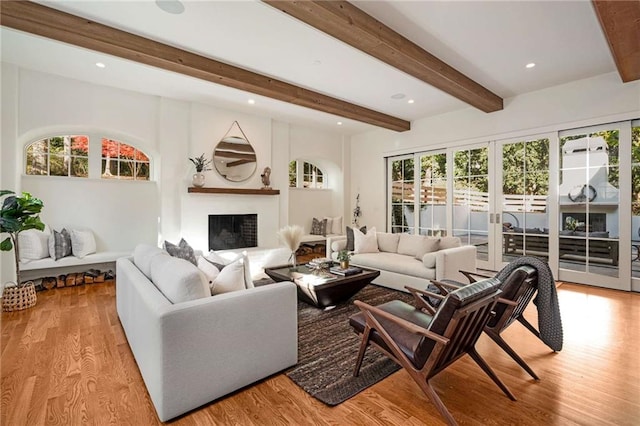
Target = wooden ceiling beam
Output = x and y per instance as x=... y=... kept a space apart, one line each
x=54 y=24
x=344 y=21
x=620 y=22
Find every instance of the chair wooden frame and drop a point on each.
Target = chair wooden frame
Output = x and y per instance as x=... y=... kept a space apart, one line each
x=513 y=312
x=459 y=338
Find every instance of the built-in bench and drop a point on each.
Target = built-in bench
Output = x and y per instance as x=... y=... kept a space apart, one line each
x=48 y=267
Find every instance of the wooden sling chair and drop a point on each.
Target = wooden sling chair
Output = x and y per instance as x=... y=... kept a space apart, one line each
x=425 y=340
x=517 y=291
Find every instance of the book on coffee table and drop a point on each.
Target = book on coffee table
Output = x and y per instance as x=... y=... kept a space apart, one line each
x=351 y=270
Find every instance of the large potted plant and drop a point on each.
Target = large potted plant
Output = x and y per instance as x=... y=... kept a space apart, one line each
x=18 y=214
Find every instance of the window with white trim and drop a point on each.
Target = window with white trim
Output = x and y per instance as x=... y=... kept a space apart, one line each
x=66 y=155
x=303 y=174
x=123 y=161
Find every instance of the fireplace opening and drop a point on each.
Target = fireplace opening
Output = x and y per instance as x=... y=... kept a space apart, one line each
x=597 y=221
x=233 y=231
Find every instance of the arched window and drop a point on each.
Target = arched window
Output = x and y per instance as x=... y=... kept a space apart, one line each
x=122 y=161
x=66 y=155
x=305 y=175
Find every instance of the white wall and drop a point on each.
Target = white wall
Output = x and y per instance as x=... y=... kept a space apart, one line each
x=595 y=100
x=326 y=151
x=36 y=105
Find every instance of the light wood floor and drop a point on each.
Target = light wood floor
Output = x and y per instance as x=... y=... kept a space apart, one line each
x=67 y=362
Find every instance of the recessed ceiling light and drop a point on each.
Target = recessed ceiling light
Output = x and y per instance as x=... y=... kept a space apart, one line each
x=398 y=96
x=530 y=65
x=251 y=101
x=339 y=123
x=410 y=101
x=171 y=6
x=100 y=65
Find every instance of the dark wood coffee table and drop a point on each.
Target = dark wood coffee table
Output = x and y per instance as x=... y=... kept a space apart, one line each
x=325 y=289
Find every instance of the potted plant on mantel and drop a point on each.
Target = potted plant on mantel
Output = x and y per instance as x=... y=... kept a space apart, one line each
x=18 y=214
x=202 y=165
x=343 y=257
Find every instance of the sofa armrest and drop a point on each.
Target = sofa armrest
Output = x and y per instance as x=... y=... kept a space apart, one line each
x=340 y=243
x=450 y=261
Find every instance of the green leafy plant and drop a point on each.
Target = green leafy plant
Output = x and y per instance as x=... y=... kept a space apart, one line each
x=18 y=214
x=202 y=164
x=344 y=256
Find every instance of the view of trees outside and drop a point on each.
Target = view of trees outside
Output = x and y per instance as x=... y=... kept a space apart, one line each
x=122 y=161
x=293 y=174
x=59 y=156
x=402 y=194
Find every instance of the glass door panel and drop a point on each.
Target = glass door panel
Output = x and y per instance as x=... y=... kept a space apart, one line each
x=589 y=203
x=402 y=195
x=635 y=206
x=471 y=199
x=433 y=195
x=525 y=194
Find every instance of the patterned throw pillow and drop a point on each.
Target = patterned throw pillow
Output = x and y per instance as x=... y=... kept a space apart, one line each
x=183 y=250
x=350 y=239
x=319 y=227
x=60 y=244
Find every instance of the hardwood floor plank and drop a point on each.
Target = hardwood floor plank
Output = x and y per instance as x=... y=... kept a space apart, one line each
x=66 y=361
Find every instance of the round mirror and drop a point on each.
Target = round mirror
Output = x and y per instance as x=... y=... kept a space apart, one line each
x=235 y=159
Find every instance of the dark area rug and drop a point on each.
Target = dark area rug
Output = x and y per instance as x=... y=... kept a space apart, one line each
x=328 y=348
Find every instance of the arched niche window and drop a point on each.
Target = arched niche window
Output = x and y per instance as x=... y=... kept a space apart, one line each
x=305 y=175
x=123 y=161
x=66 y=155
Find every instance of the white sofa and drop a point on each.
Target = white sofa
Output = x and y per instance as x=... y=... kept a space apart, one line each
x=193 y=352
x=402 y=263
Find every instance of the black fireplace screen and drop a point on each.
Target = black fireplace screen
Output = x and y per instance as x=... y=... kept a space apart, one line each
x=232 y=231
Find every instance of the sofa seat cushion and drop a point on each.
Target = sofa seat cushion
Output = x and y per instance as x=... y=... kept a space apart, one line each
x=393 y=262
x=178 y=279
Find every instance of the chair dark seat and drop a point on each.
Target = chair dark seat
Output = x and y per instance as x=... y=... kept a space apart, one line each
x=425 y=343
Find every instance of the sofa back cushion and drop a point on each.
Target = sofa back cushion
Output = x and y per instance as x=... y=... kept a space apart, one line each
x=142 y=255
x=178 y=279
x=429 y=245
x=449 y=242
x=388 y=242
x=410 y=244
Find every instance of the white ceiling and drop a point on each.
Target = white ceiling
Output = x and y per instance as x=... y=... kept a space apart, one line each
x=490 y=42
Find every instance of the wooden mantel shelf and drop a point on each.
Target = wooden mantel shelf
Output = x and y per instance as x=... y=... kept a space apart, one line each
x=242 y=191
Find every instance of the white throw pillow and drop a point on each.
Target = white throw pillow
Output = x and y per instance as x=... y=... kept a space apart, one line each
x=388 y=242
x=231 y=278
x=336 y=226
x=365 y=243
x=208 y=269
x=429 y=260
x=82 y=243
x=224 y=259
x=429 y=245
x=329 y=227
x=178 y=279
x=34 y=244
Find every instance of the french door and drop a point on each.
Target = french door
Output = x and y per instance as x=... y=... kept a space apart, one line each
x=570 y=197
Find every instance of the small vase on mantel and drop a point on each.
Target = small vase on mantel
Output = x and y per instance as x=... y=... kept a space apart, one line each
x=198 y=180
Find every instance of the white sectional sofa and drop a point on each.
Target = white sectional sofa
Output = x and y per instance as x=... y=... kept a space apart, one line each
x=412 y=260
x=196 y=351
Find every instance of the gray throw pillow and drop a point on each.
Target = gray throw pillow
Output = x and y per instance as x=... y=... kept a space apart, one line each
x=350 y=238
x=183 y=250
x=60 y=244
x=319 y=227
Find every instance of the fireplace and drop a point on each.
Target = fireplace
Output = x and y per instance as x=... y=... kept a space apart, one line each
x=233 y=231
x=597 y=221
